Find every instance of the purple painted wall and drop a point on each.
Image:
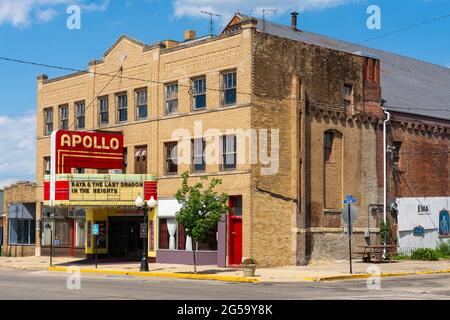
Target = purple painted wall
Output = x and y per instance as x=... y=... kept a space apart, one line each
x=205 y=258
x=222 y=243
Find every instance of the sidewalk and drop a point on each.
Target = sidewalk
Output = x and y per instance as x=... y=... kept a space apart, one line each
x=323 y=271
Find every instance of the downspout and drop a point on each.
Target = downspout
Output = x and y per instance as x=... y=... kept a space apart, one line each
x=388 y=117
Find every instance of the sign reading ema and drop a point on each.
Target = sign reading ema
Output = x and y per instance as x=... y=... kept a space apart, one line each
x=100 y=190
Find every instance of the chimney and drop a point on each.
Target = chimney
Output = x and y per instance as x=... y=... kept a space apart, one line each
x=189 y=35
x=294 y=20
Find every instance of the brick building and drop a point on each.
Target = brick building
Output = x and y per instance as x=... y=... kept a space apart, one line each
x=322 y=97
x=19 y=224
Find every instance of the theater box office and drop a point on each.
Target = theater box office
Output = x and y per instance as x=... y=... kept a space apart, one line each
x=82 y=200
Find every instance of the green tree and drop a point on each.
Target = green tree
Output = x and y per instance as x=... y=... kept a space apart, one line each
x=201 y=209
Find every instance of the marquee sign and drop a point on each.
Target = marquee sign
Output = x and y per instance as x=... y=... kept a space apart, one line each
x=100 y=190
x=87 y=150
x=90 y=150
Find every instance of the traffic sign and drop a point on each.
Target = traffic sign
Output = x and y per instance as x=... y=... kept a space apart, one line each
x=353 y=214
x=349 y=199
x=95 y=229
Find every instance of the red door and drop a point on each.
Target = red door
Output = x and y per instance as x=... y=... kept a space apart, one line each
x=235 y=243
x=235 y=231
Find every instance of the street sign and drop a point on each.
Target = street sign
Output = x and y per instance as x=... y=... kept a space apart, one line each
x=95 y=229
x=353 y=214
x=349 y=199
x=143 y=231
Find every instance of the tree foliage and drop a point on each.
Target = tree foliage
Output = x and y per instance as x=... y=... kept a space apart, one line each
x=201 y=206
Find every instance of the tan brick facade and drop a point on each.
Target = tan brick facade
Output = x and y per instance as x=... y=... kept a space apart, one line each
x=281 y=84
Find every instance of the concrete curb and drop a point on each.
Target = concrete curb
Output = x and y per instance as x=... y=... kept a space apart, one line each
x=162 y=275
x=367 y=275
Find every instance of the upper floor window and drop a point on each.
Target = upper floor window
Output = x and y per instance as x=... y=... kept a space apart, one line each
x=64 y=117
x=229 y=88
x=348 y=98
x=103 y=112
x=80 y=110
x=48 y=121
x=328 y=146
x=229 y=152
x=122 y=107
x=199 y=94
x=198 y=155
x=141 y=104
x=171 y=98
x=47 y=165
x=171 y=159
x=125 y=160
x=396 y=146
x=140 y=160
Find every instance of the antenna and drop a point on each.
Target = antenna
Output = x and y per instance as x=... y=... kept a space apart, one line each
x=264 y=10
x=211 y=24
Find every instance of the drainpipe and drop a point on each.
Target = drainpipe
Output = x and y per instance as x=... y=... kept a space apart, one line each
x=388 y=117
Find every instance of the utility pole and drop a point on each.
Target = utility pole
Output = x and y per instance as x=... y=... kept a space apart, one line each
x=211 y=20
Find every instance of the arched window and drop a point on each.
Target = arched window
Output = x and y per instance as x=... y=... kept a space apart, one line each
x=333 y=167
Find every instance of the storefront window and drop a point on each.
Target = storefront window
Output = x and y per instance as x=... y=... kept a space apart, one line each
x=172 y=236
x=22 y=232
x=80 y=233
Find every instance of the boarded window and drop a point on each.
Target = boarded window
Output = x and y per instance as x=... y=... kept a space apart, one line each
x=333 y=167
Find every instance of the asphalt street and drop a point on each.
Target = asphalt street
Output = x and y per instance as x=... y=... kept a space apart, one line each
x=44 y=285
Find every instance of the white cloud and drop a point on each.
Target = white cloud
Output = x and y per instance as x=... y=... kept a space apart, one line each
x=21 y=13
x=192 y=8
x=17 y=148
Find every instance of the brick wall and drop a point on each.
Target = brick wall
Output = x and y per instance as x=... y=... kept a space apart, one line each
x=21 y=192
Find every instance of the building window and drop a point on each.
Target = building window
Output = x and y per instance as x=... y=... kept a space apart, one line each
x=229 y=152
x=171 y=165
x=22 y=224
x=198 y=155
x=79 y=171
x=348 y=98
x=396 y=146
x=125 y=160
x=80 y=233
x=229 y=88
x=328 y=146
x=171 y=98
x=199 y=94
x=48 y=121
x=80 y=110
x=141 y=104
x=172 y=236
x=22 y=232
x=103 y=112
x=122 y=107
x=64 y=117
x=140 y=160
x=47 y=166
x=235 y=204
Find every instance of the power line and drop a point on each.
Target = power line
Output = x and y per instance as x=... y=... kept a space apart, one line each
x=406 y=28
x=96 y=97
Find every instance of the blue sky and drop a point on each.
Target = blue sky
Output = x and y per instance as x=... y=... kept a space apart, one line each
x=35 y=30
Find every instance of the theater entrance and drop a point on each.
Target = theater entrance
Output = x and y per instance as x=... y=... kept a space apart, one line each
x=124 y=238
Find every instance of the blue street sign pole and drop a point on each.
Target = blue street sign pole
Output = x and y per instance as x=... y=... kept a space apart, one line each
x=348 y=201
